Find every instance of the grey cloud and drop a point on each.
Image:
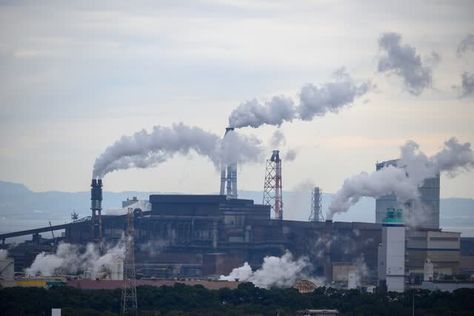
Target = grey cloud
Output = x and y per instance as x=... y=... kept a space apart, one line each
x=467 y=84
x=404 y=61
x=467 y=44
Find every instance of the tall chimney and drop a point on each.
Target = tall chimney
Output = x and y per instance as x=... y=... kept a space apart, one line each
x=278 y=185
x=229 y=176
x=96 y=208
x=223 y=180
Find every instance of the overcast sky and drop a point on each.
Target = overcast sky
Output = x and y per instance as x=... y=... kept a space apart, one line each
x=77 y=75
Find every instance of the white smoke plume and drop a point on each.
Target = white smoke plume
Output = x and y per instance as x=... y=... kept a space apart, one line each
x=275 y=272
x=237 y=148
x=359 y=274
x=389 y=180
x=403 y=180
x=278 y=138
x=330 y=96
x=290 y=155
x=154 y=247
x=404 y=61
x=254 y=114
x=71 y=259
x=144 y=149
x=314 y=100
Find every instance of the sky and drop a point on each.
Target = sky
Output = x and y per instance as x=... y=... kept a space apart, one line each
x=77 y=75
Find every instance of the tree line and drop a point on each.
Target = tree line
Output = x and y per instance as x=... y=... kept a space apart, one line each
x=245 y=300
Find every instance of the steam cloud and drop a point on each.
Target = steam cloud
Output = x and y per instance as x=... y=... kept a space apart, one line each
x=144 y=150
x=331 y=96
x=278 y=138
x=361 y=271
x=275 y=272
x=314 y=101
x=403 y=180
x=254 y=114
x=404 y=61
x=290 y=155
x=69 y=259
x=467 y=44
x=467 y=84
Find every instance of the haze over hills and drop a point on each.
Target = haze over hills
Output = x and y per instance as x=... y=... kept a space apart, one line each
x=21 y=208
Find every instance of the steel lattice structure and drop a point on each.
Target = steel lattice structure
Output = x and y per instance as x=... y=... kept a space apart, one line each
x=316 y=209
x=129 y=290
x=272 y=187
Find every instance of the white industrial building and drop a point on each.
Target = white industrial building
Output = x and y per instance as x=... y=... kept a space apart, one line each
x=391 y=255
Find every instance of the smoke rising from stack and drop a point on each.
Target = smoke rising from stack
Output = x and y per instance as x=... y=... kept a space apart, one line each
x=275 y=272
x=71 y=259
x=290 y=155
x=147 y=149
x=278 y=138
x=252 y=113
x=403 y=181
x=314 y=100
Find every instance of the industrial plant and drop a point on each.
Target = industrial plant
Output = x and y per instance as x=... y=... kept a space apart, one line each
x=200 y=238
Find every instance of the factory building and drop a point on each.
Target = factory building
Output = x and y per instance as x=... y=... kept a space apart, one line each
x=209 y=235
x=423 y=213
x=441 y=249
x=424 y=240
x=197 y=236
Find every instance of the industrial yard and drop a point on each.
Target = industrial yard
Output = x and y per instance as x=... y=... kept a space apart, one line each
x=242 y=157
x=202 y=238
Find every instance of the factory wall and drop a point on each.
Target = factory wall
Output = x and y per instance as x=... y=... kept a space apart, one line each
x=441 y=248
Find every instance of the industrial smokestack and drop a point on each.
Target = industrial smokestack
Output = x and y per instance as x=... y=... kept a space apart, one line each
x=223 y=180
x=96 y=194
x=405 y=178
x=96 y=208
x=278 y=185
x=229 y=175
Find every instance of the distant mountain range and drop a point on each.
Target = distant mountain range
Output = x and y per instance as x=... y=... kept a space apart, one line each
x=21 y=208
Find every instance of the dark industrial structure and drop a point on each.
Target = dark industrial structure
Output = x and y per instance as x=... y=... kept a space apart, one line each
x=96 y=208
x=209 y=235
